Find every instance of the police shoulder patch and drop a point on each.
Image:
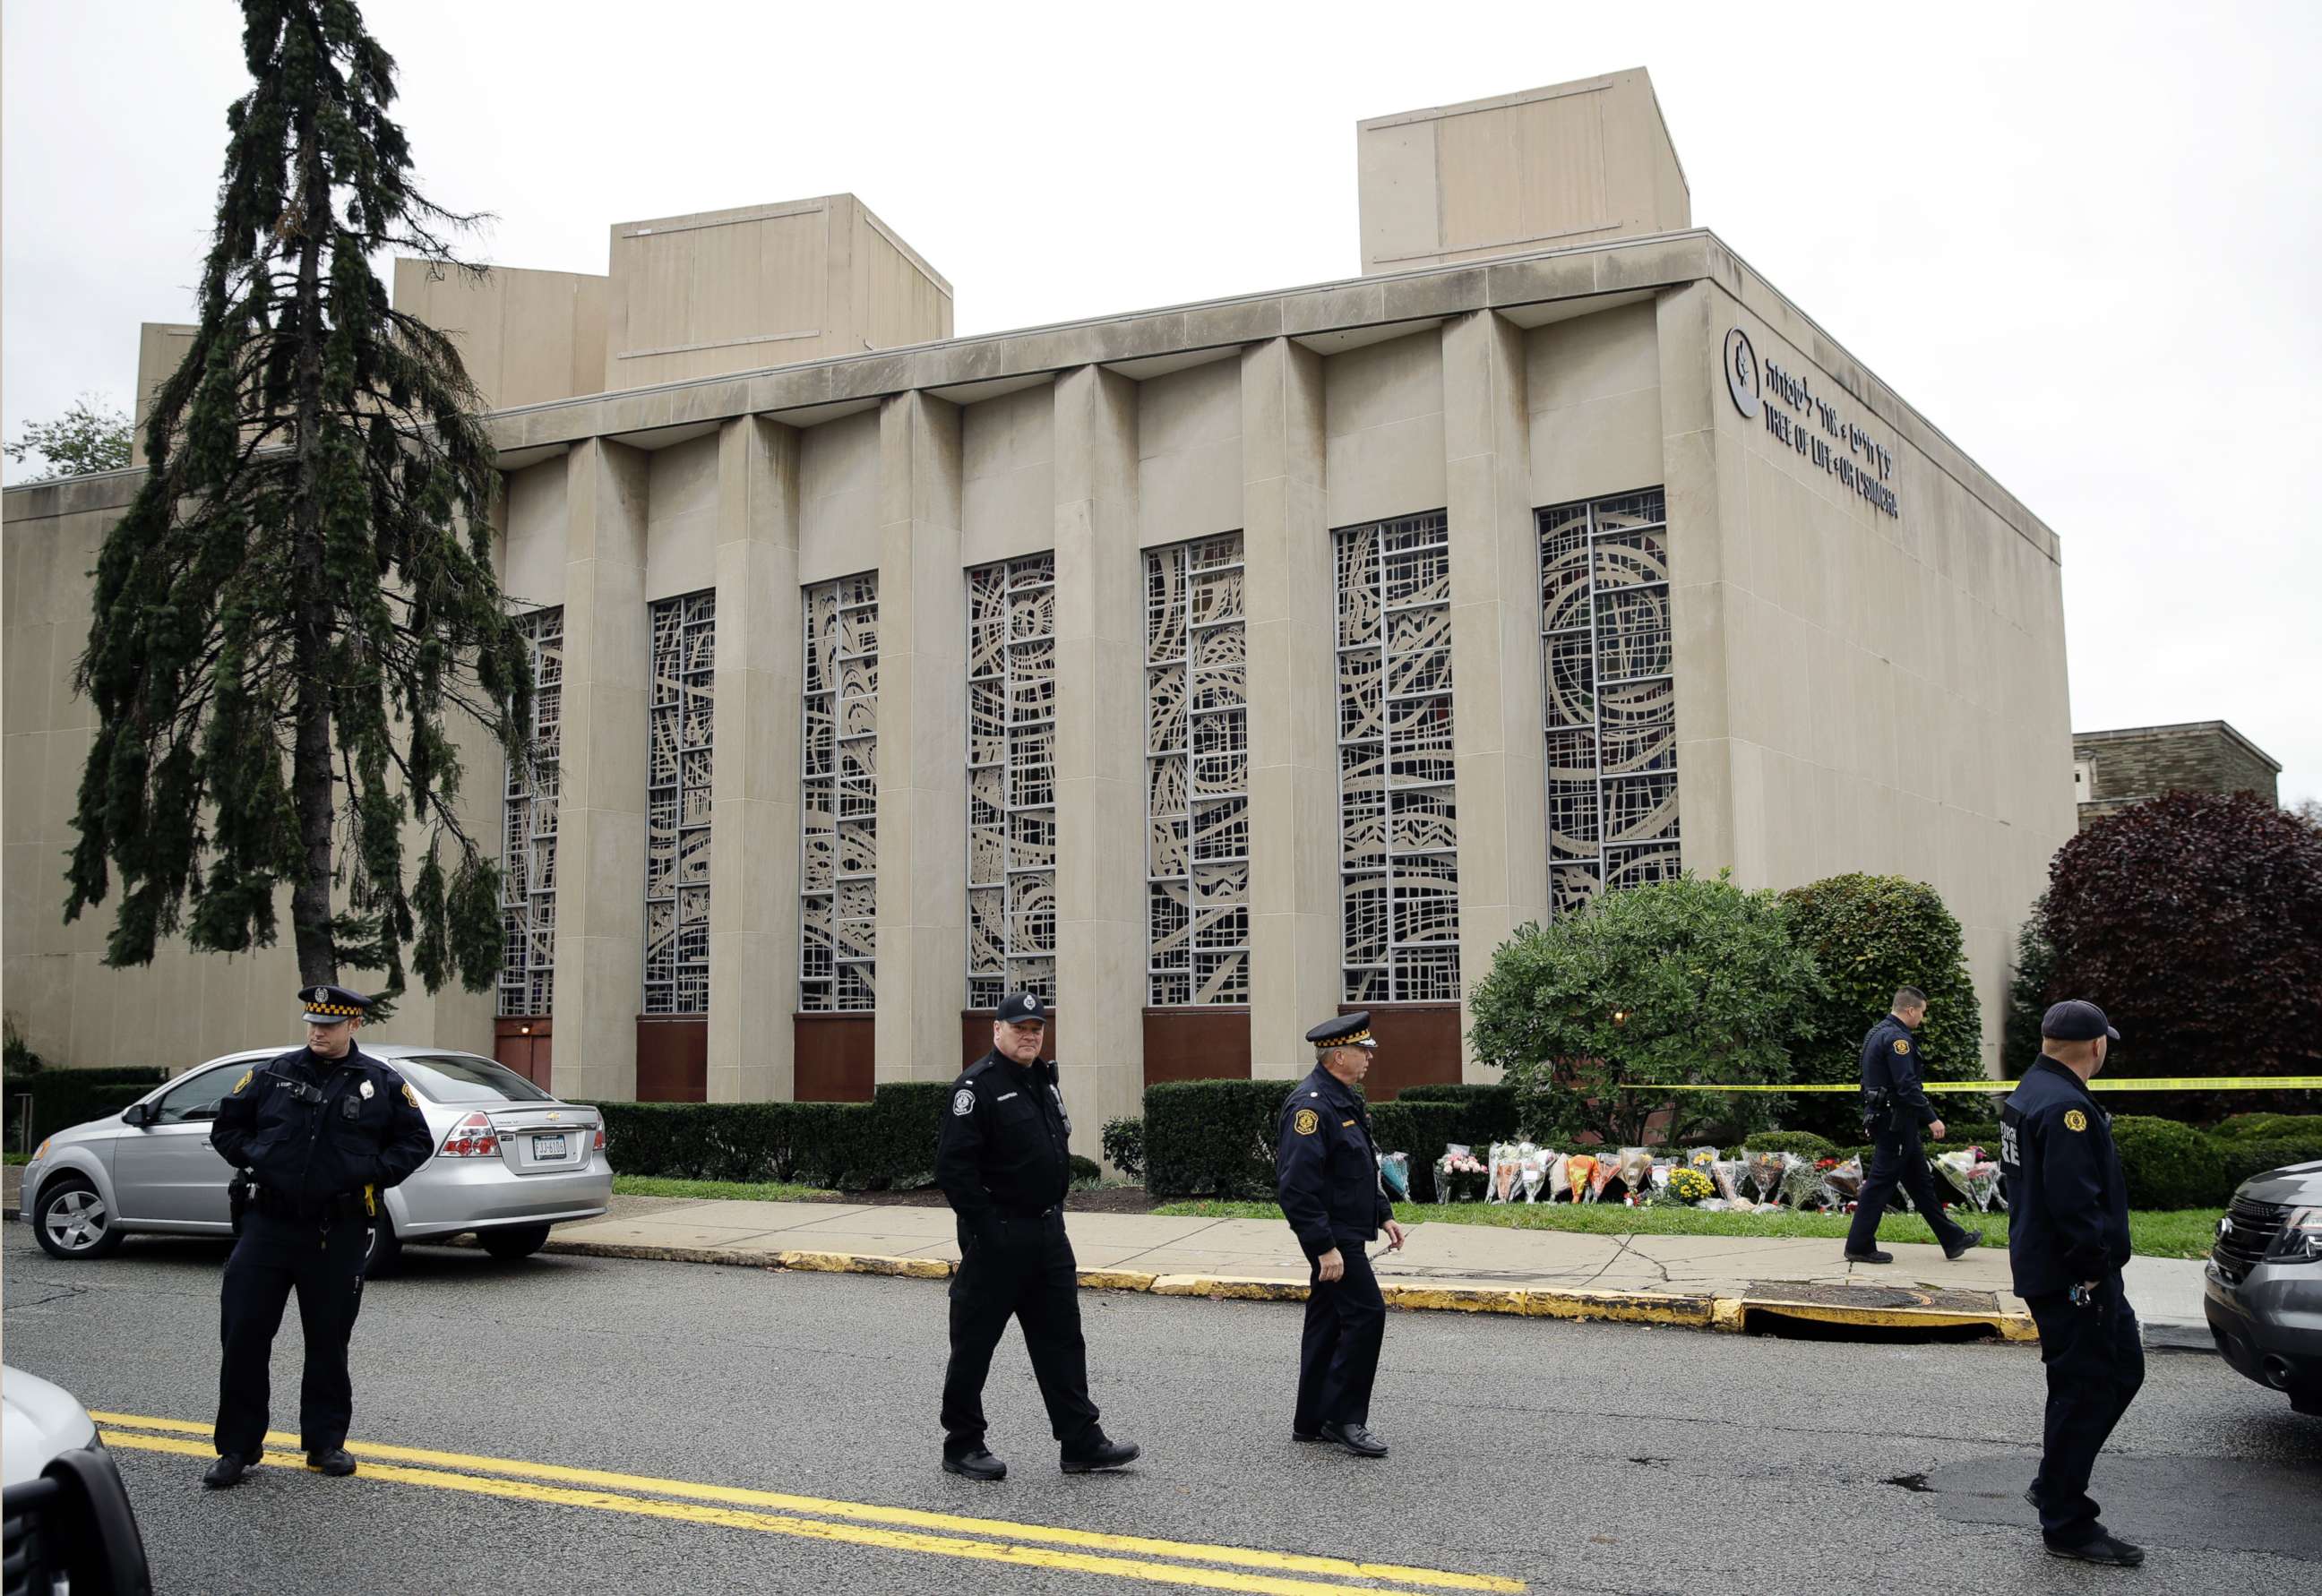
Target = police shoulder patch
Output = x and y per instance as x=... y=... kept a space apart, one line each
x=247 y=1076
x=1305 y=1122
x=2075 y=1120
x=963 y=1101
x=410 y=1096
x=1902 y=1045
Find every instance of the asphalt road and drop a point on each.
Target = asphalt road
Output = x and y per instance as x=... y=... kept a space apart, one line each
x=1606 y=1459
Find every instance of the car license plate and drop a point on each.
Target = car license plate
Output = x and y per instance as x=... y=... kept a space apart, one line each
x=547 y=1147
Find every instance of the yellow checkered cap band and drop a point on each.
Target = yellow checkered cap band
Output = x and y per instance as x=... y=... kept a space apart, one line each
x=335 y=1008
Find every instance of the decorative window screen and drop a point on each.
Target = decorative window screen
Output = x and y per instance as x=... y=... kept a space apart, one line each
x=528 y=838
x=1398 y=814
x=1610 y=702
x=676 y=805
x=1011 y=780
x=1196 y=774
x=839 y=797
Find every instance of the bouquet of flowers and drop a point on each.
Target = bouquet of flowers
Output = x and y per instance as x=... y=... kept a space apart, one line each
x=1972 y=1175
x=1689 y=1185
x=1802 y=1182
x=1507 y=1170
x=1727 y=1173
x=1580 y=1170
x=1701 y=1158
x=1663 y=1168
x=1840 y=1183
x=1599 y=1177
x=1457 y=1167
x=1766 y=1172
x=1635 y=1170
x=1394 y=1176
x=1531 y=1169
x=1559 y=1177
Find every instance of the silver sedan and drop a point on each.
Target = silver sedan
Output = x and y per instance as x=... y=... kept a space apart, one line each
x=510 y=1161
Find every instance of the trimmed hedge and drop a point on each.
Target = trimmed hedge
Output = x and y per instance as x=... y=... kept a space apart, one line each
x=1211 y=1138
x=1488 y=1113
x=62 y=1099
x=888 y=1142
x=2271 y=1127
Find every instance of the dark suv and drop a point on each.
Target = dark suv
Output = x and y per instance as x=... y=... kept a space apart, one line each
x=2264 y=1294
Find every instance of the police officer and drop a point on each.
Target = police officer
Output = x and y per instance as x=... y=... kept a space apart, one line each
x=2067 y=1242
x=324 y=1130
x=1895 y=1108
x=1003 y=1161
x=1327 y=1179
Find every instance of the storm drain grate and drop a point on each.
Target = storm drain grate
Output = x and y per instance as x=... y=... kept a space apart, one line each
x=1927 y=1297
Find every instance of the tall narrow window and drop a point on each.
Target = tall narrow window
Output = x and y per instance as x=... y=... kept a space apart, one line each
x=1610 y=698
x=1011 y=780
x=676 y=805
x=528 y=840
x=1196 y=774
x=1398 y=814
x=839 y=797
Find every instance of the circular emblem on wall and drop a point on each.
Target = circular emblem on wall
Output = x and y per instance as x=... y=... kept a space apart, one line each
x=963 y=1101
x=1743 y=379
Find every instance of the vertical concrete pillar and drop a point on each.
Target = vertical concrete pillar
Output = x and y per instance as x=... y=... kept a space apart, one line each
x=600 y=851
x=922 y=743
x=1497 y=750
x=1100 y=751
x=754 y=843
x=1295 y=943
x=1707 y=499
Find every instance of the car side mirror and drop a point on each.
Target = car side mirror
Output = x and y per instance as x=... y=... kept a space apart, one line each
x=137 y=1114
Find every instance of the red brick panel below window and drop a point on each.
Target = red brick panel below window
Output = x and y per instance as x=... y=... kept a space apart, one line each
x=523 y=1046
x=673 y=1061
x=1418 y=1045
x=834 y=1054
x=1196 y=1044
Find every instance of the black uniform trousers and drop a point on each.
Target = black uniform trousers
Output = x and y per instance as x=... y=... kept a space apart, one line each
x=1899 y=1158
x=1026 y=1272
x=324 y=1261
x=2095 y=1359
x=1339 y=1355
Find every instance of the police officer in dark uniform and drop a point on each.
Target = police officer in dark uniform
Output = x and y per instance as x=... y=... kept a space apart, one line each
x=2067 y=1242
x=322 y=1132
x=1003 y=1161
x=1895 y=1108
x=1327 y=1179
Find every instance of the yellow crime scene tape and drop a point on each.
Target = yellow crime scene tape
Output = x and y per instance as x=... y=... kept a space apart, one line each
x=1995 y=1087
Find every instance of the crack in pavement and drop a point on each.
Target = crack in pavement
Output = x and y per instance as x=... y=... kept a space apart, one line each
x=62 y=1290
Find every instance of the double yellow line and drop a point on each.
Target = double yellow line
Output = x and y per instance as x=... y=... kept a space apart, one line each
x=807 y=1517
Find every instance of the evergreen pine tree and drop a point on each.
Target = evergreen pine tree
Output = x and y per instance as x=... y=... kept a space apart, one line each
x=304 y=586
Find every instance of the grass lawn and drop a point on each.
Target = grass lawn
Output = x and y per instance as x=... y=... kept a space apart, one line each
x=737 y=1191
x=2157 y=1232
x=16 y=1158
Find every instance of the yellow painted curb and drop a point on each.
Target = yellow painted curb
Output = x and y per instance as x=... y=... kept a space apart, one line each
x=2007 y=1327
x=660 y=1254
x=1630 y=1307
x=1454 y=1299
x=1116 y=1280
x=1248 y=1291
x=1725 y=1315
x=866 y=1263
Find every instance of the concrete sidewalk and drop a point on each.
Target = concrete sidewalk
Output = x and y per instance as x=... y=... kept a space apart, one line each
x=1705 y=1281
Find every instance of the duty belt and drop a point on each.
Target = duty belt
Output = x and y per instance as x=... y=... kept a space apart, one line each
x=281 y=1205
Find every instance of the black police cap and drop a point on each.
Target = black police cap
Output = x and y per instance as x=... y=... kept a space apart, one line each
x=2076 y=1020
x=1018 y=1008
x=1349 y=1030
x=328 y=1005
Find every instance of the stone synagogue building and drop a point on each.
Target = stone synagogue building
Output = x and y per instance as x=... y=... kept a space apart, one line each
x=1210 y=669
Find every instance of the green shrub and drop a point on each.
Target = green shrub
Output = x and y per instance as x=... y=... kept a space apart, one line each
x=2168 y=1165
x=1804 y=1142
x=1085 y=1173
x=2240 y=1158
x=2267 y=1128
x=1490 y=1112
x=1213 y=1138
x=62 y=1099
x=1124 y=1145
x=1871 y=935
x=888 y=1142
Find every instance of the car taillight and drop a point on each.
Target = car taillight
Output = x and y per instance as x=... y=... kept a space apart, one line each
x=472 y=1137
x=599 y=1145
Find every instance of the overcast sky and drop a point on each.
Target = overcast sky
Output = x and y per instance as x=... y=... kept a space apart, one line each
x=2083 y=241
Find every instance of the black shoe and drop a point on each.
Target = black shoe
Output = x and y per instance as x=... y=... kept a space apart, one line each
x=1096 y=1452
x=226 y=1473
x=2031 y=1495
x=1870 y=1257
x=2103 y=1548
x=1968 y=1243
x=978 y=1464
x=1309 y=1436
x=333 y=1461
x=1355 y=1440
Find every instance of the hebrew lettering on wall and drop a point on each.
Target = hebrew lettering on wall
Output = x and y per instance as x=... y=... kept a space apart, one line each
x=838 y=799
x=1610 y=697
x=527 y=984
x=680 y=728
x=1398 y=809
x=1011 y=780
x=1197 y=774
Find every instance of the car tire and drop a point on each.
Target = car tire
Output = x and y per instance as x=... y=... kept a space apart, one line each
x=512 y=1241
x=73 y=1221
x=386 y=1249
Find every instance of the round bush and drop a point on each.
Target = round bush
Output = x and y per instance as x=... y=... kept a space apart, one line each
x=1802 y=1142
x=2269 y=1127
x=2168 y=1165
